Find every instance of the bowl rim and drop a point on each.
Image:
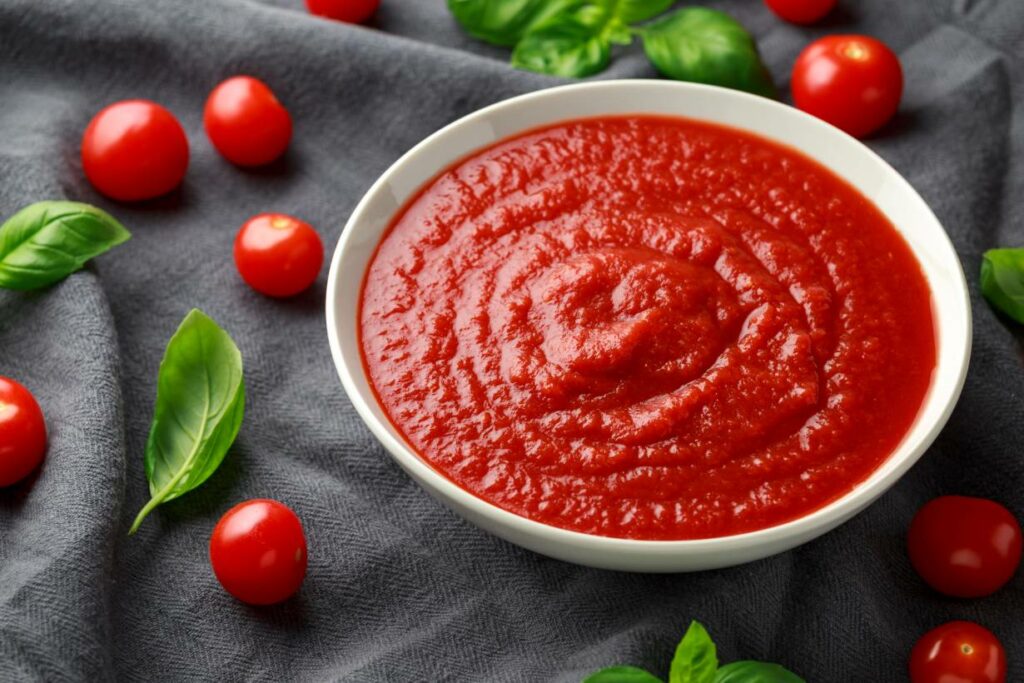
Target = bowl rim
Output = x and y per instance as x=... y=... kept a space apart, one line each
x=835 y=512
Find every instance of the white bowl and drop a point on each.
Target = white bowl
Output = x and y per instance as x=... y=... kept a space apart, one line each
x=839 y=152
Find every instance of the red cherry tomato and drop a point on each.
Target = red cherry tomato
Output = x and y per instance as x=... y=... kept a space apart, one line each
x=351 y=11
x=22 y=432
x=278 y=255
x=801 y=11
x=958 y=652
x=258 y=552
x=853 y=82
x=134 y=150
x=965 y=547
x=246 y=123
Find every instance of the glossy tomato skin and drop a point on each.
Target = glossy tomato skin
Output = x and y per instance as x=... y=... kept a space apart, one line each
x=246 y=122
x=22 y=432
x=134 y=150
x=351 y=11
x=278 y=255
x=853 y=82
x=801 y=11
x=958 y=652
x=965 y=547
x=258 y=552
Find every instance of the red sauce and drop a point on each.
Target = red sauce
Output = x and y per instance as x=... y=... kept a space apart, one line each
x=647 y=328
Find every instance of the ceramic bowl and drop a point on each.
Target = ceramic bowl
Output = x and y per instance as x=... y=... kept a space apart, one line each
x=844 y=155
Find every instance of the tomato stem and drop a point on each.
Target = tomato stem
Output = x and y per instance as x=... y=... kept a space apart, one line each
x=855 y=51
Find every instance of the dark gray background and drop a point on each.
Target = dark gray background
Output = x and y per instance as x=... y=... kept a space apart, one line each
x=399 y=589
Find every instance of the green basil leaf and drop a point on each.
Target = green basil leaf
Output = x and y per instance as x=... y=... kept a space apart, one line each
x=706 y=46
x=632 y=11
x=503 y=22
x=755 y=672
x=1002 y=281
x=695 y=660
x=574 y=42
x=568 y=47
x=200 y=400
x=621 y=674
x=47 y=241
x=619 y=33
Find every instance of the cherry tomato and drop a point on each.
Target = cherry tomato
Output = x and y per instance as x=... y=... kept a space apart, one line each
x=258 y=552
x=246 y=123
x=278 y=255
x=134 y=150
x=852 y=82
x=22 y=432
x=352 y=11
x=801 y=11
x=958 y=652
x=965 y=547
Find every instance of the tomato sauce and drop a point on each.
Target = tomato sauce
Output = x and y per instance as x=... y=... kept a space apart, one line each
x=647 y=327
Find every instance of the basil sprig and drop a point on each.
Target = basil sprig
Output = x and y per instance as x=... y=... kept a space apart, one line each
x=1002 y=280
x=696 y=661
x=622 y=674
x=574 y=38
x=573 y=43
x=47 y=241
x=696 y=658
x=755 y=672
x=200 y=401
x=706 y=46
x=503 y=22
x=630 y=11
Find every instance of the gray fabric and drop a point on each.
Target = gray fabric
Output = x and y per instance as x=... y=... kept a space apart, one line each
x=399 y=589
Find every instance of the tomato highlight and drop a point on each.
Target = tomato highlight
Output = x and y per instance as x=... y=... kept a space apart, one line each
x=965 y=547
x=258 y=552
x=958 y=652
x=853 y=82
x=134 y=150
x=801 y=11
x=246 y=123
x=349 y=11
x=22 y=432
x=278 y=255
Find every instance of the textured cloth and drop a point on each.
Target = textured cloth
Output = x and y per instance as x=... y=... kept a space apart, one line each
x=399 y=588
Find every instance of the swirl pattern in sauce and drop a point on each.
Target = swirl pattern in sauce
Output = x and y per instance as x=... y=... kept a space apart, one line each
x=647 y=328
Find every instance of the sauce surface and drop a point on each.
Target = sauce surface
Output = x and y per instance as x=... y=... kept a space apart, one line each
x=647 y=328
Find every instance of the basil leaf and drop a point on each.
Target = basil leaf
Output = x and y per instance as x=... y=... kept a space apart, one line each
x=706 y=46
x=567 y=47
x=695 y=660
x=47 y=241
x=755 y=672
x=1002 y=281
x=200 y=400
x=631 y=11
x=621 y=674
x=619 y=33
x=503 y=22
x=575 y=42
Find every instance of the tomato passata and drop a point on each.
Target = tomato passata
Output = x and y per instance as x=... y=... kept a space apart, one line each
x=853 y=82
x=278 y=255
x=964 y=547
x=958 y=652
x=134 y=150
x=351 y=11
x=258 y=552
x=22 y=432
x=246 y=122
